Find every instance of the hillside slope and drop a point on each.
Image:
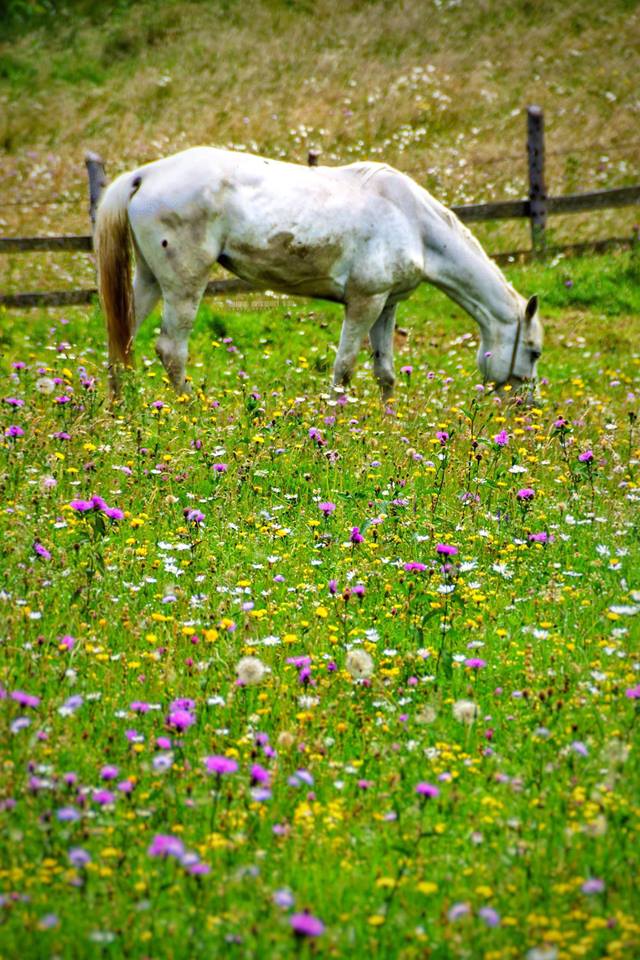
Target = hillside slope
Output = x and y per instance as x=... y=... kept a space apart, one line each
x=437 y=88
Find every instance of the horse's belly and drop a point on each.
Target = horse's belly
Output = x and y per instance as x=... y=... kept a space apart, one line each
x=289 y=265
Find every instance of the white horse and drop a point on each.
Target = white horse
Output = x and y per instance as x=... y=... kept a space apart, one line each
x=364 y=235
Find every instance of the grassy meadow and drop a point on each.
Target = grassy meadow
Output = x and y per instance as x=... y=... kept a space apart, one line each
x=431 y=754
x=284 y=674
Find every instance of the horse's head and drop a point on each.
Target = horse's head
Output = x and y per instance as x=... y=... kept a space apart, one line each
x=515 y=351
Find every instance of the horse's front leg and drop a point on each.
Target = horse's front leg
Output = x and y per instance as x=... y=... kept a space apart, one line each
x=172 y=344
x=381 y=337
x=361 y=312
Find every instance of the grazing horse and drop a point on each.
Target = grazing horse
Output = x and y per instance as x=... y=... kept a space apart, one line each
x=364 y=235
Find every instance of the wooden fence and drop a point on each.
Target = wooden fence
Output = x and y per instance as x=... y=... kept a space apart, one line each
x=536 y=208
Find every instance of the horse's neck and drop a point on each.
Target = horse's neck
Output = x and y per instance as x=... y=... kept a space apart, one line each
x=456 y=263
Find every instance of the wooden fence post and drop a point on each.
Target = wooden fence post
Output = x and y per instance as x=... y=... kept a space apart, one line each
x=537 y=189
x=97 y=183
x=312 y=158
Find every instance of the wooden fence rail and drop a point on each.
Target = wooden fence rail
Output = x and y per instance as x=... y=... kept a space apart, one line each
x=536 y=208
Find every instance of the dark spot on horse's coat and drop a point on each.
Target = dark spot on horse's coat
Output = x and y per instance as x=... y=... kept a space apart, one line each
x=165 y=243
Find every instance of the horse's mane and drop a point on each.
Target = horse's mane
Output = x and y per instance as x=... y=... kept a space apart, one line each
x=456 y=224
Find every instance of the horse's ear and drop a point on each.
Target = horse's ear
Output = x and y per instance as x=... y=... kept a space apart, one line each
x=531 y=308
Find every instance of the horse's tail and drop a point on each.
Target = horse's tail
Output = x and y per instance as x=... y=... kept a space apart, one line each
x=112 y=244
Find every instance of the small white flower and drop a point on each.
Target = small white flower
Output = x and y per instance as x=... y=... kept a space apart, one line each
x=426 y=715
x=250 y=670
x=465 y=711
x=359 y=664
x=45 y=385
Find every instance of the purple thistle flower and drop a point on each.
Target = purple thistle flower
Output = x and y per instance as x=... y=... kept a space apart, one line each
x=446 y=550
x=633 y=693
x=356 y=536
x=527 y=493
x=327 y=507
x=475 y=663
x=306 y=925
x=541 y=537
x=442 y=436
x=586 y=457
x=427 y=790
x=415 y=566
x=103 y=798
x=259 y=774
x=78 y=857
x=299 y=777
x=139 y=706
x=41 y=551
x=299 y=662
x=490 y=916
x=109 y=772
x=593 y=885
x=457 y=911
x=181 y=719
x=25 y=699
x=113 y=513
x=14 y=431
x=166 y=845
x=81 y=506
x=183 y=703
x=501 y=439
x=220 y=765
x=219 y=468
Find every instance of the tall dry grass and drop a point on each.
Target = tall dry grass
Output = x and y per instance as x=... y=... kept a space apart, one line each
x=436 y=88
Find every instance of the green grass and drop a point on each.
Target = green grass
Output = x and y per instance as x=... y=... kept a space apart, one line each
x=537 y=796
x=530 y=848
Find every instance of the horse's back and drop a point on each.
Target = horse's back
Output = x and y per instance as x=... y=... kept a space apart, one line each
x=319 y=230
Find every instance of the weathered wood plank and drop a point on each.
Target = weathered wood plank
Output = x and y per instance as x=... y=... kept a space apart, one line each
x=595 y=200
x=218 y=288
x=55 y=244
x=569 y=249
x=501 y=210
x=67 y=298
x=48 y=298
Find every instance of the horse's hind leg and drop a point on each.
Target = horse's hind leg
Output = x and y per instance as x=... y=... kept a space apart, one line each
x=146 y=290
x=361 y=313
x=172 y=344
x=381 y=337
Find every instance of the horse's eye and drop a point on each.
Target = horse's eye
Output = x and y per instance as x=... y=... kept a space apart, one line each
x=535 y=355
